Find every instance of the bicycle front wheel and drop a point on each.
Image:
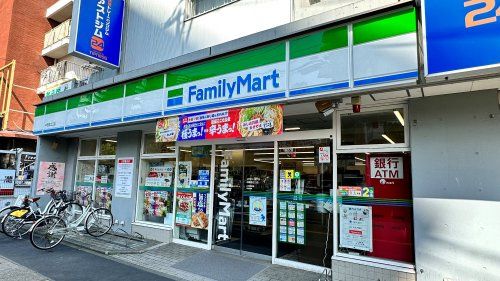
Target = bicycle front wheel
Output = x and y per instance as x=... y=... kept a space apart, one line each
x=15 y=226
x=48 y=232
x=99 y=222
x=4 y=212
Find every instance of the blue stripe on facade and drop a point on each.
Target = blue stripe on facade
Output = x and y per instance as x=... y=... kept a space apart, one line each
x=104 y=122
x=323 y=88
x=37 y=132
x=78 y=126
x=174 y=101
x=145 y=115
x=387 y=78
x=53 y=130
x=225 y=103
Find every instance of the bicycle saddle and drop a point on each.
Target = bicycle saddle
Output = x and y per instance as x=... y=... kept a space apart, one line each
x=34 y=199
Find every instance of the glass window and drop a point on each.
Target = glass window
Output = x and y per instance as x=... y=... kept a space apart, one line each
x=84 y=183
x=153 y=147
x=198 y=7
x=156 y=189
x=304 y=201
x=306 y=122
x=88 y=147
x=375 y=127
x=375 y=205
x=107 y=146
x=193 y=193
x=104 y=183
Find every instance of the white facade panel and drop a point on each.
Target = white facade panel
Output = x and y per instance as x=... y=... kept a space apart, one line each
x=145 y=103
x=54 y=121
x=108 y=111
x=78 y=116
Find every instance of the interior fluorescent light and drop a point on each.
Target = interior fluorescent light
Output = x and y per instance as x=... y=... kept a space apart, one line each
x=292 y=129
x=110 y=140
x=185 y=150
x=284 y=153
x=357 y=158
x=400 y=117
x=388 y=138
x=296 y=147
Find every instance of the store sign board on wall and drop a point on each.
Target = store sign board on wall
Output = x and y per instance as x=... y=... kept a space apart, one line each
x=50 y=176
x=7 y=178
x=97 y=32
x=386 y=167
x=124 y=177
x=231 y=123
x=466 y=38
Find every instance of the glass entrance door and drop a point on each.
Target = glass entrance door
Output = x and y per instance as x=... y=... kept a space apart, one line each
x=243 y=197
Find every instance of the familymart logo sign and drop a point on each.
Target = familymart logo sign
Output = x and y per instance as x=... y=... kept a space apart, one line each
x=246 y=86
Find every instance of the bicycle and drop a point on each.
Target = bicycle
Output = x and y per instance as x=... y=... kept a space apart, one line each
x=49 y=231
x=18 y=222
x=7 y=209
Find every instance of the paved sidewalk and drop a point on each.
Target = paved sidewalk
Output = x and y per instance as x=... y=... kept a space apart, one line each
x=12 y=271
x=168 y=258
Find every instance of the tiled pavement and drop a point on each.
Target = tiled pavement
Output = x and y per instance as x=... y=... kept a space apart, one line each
x=162 y=259
x=14 y=272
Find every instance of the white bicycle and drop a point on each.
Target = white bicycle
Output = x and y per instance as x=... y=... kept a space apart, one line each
x=49 y=231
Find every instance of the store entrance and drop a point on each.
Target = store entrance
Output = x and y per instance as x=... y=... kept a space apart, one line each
x=243 y=197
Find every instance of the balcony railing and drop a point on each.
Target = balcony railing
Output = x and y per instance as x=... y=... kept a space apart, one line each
x=57 y=34
x=66 y=70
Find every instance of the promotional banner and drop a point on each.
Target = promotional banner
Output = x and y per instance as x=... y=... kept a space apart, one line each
x=50 y=176
x=124 y=177
x=231 y=123
x=292 y=222
x=98 y=31
x=199 y=219
x=466 y=37
x=356 y=227
x=7 y=178
x=258 y=211
x=156 y=203
x=184 y=208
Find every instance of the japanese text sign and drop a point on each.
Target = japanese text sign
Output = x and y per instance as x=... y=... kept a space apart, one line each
x=386 y=167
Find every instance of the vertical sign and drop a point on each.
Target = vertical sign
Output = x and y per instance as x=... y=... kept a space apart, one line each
x=97 y=31
x=50 y=176
x=324 y=154
x=461 y=35
x=124 y=177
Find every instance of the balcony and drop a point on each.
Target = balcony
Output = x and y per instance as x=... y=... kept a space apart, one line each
x=60 y=11
x=56 y=41
x=66 y=75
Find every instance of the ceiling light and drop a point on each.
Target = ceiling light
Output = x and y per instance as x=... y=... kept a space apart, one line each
x=357 y=158
x=388 y=138
x=400 y=117
x=297 y=147
x=110 y=140
x=184 y=150
x=292 y=129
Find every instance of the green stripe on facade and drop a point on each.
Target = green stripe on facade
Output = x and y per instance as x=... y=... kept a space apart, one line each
x=56 y=106
x=253 y=58
x=79 y=101
x=39 y=110
x=144 y=85
x=386 y=26
x=108 y=94
x=175 y=93
x=325 y=40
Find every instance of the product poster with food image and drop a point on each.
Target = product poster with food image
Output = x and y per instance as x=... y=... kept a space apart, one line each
x=230 y=123
x=258 y=211
x=185 y=174
x=50 y=176
x=199 y=219
x=184 y=208
x=156 y=203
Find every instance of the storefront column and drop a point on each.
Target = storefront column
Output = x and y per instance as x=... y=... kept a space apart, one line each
x=123 y=205
x=54 y=149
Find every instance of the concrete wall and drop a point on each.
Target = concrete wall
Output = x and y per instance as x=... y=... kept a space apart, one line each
x=456 y=186
x=123 y=209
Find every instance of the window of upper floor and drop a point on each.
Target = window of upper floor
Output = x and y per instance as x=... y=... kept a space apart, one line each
x=195 y=8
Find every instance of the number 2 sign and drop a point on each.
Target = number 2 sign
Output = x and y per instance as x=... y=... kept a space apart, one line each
x=482 y=14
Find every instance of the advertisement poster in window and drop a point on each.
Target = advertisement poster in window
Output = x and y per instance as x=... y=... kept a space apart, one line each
x=7 y=178
x=160 y=175
x=356 y=227
x=50 y=176
x=230 y=123
x=199 y=219
x=184 y=208
x=185 y=173
x=258 y=211
x=124 y=177
x=155 y=203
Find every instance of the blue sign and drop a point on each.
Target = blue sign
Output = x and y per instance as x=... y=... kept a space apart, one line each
x=99 y=31
x=461 y=34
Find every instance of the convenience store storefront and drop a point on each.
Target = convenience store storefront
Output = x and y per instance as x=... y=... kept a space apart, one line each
x=270 y=176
